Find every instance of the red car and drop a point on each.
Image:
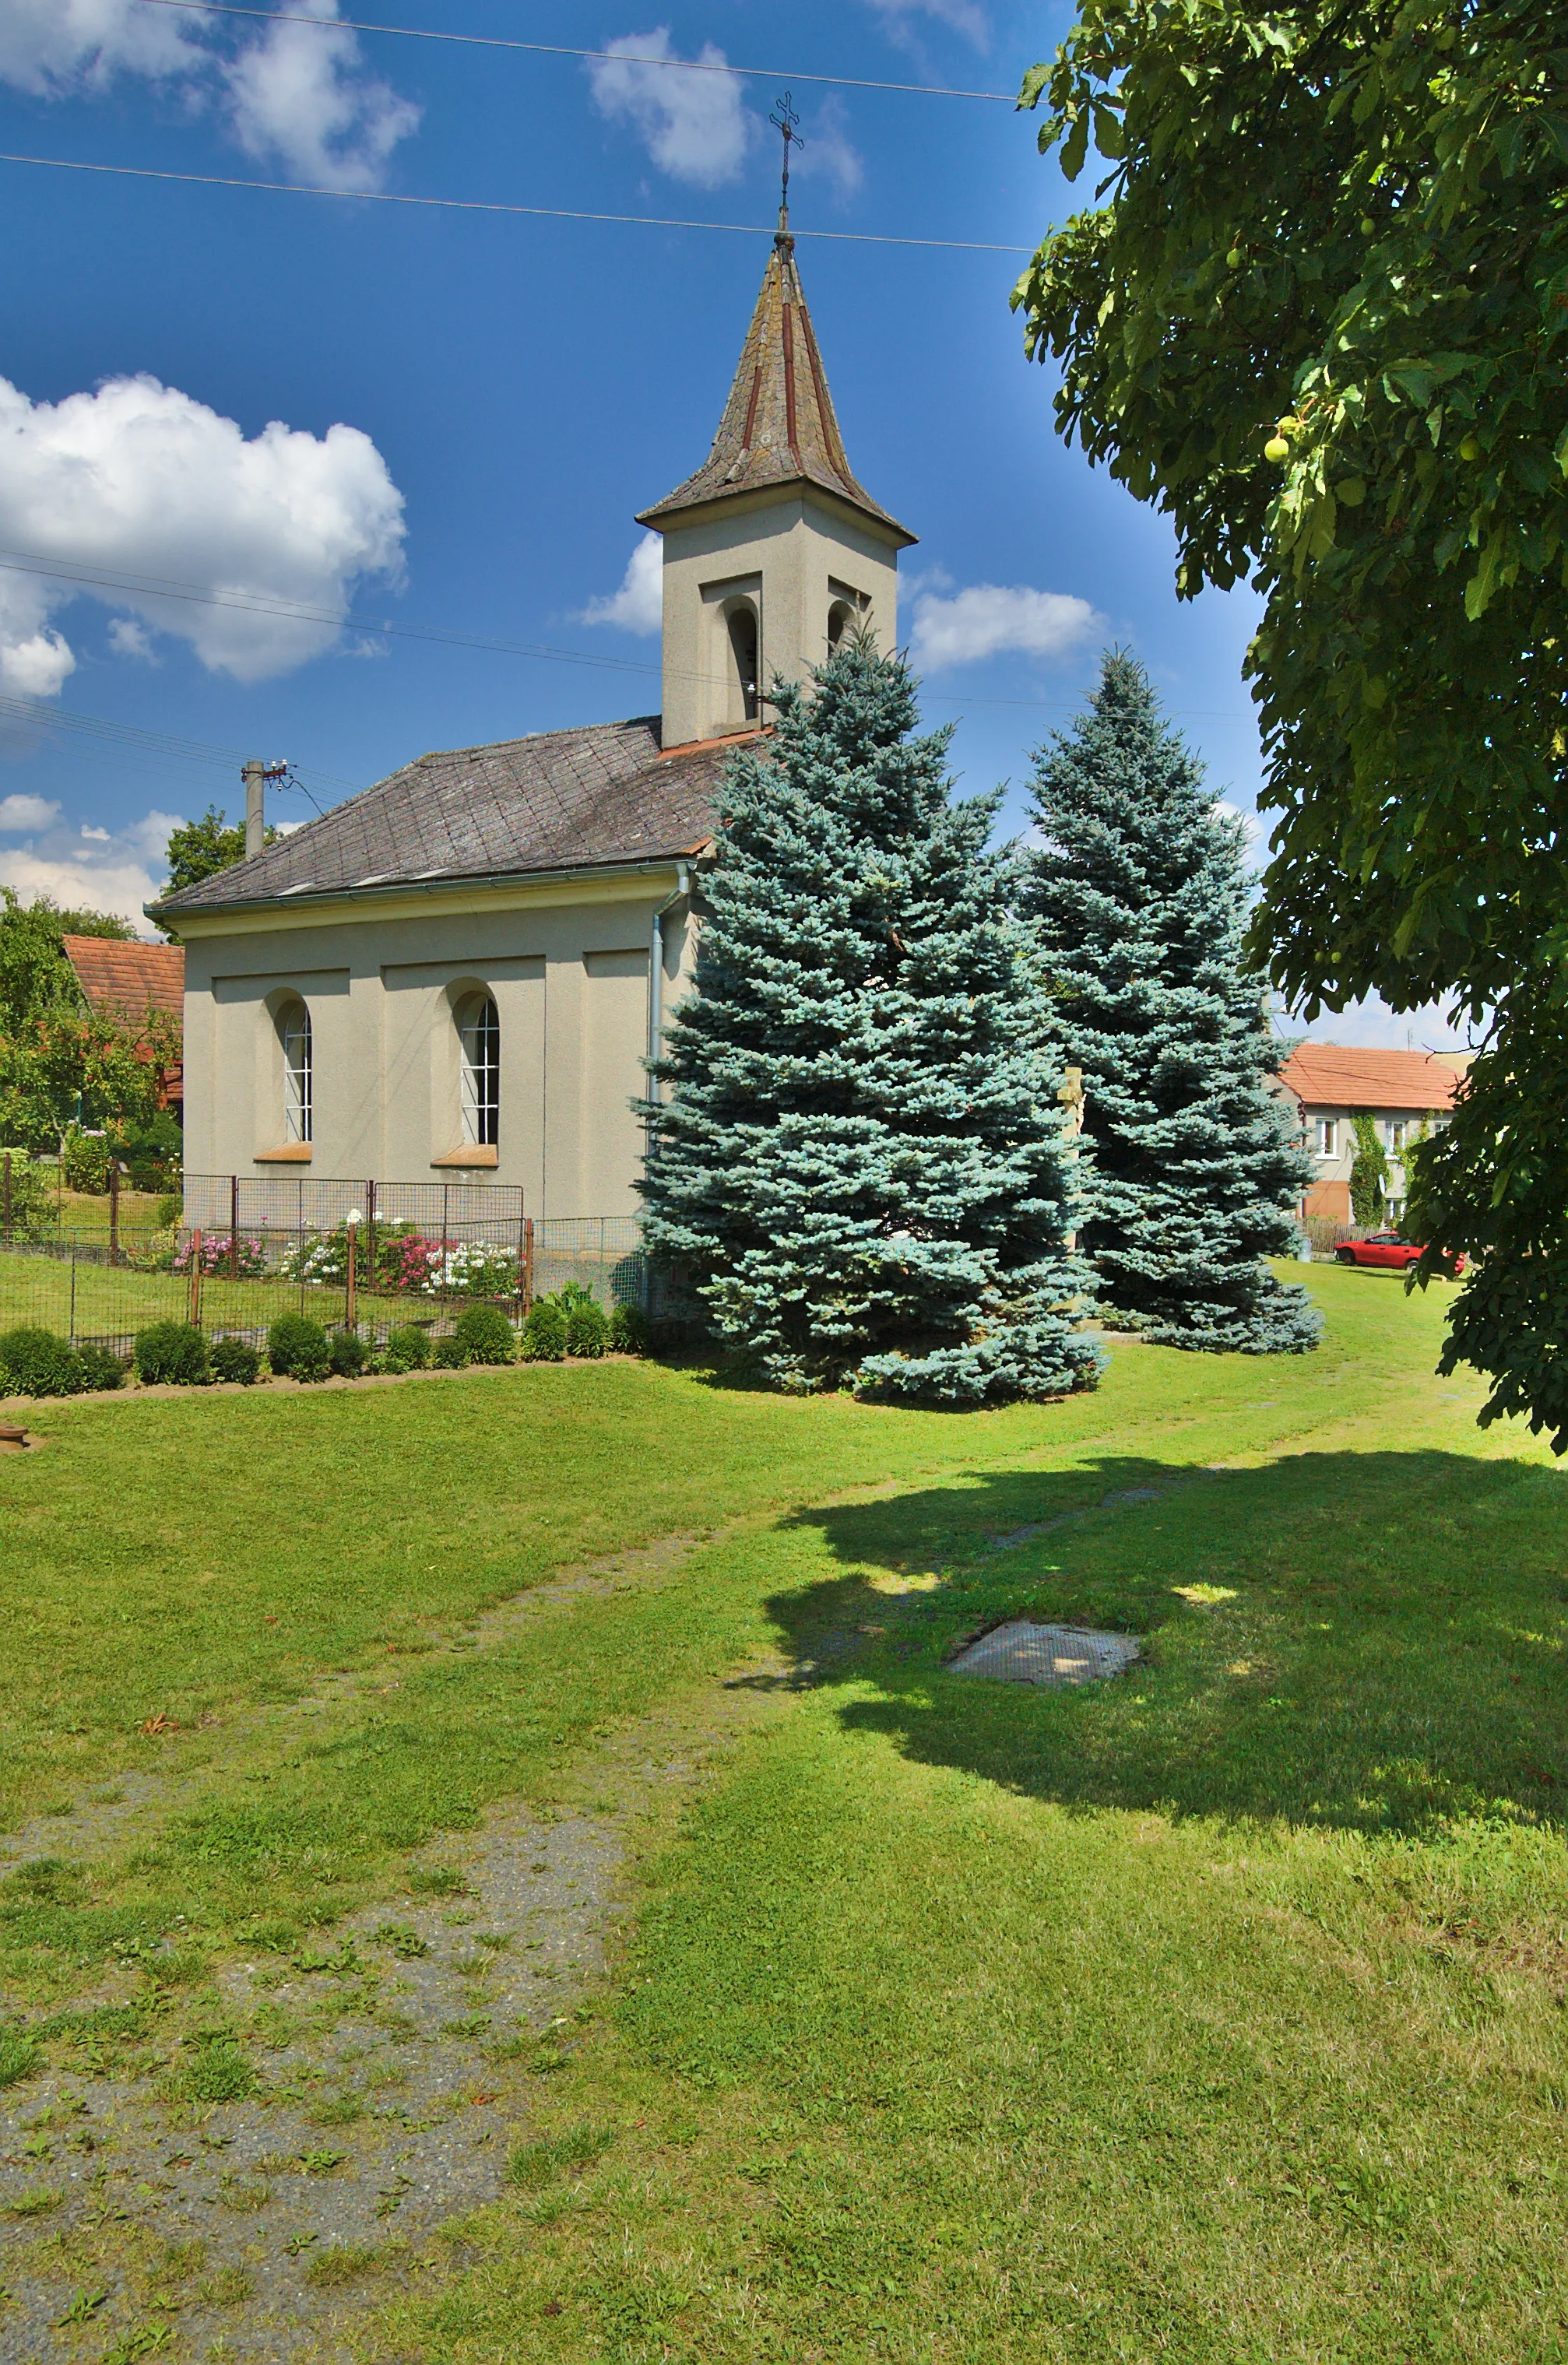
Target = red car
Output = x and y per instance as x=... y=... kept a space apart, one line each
x=1386 y=1250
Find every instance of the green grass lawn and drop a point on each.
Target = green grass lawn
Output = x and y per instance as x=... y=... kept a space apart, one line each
x=1215 y=2013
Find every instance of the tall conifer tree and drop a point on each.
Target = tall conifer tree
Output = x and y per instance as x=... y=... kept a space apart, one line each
x=861 y=1171
x=1139 y=896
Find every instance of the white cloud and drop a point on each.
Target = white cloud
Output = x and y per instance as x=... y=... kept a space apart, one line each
x=291 y=94
x=88 y=868
x=961 y=16
x=304 y=95
x=638 y=606
x=987 y=619
x=693 y=125
x=829 y=153
x=53 y=48
x=140 y=479
x=1373 y=1026
x=129 y=639
x=21 y=813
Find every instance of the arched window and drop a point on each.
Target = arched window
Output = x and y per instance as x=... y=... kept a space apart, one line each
x=479 y=1033
x=295 y=1028
x=840 y=616
x=744 y=657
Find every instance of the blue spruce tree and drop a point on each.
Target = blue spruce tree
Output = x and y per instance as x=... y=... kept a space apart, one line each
x=861 y=1171
x=1138 y=895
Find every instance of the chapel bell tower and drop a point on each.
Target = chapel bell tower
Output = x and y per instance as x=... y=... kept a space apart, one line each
x=772 y=548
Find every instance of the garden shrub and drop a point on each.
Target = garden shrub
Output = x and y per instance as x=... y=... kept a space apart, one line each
x=485 y=1335
x=32 y=1208
x=172 y=1354
x=84 y=1161
x=446 y=1355
x=36 y=1364
x=588 y=1328
x=628 y=1331
x=349 y=1354
x=408 y=1349
x=168 y=1213
x=298 y=1347
x=102 y=1369
x=237 y=1361
x=544 y=1332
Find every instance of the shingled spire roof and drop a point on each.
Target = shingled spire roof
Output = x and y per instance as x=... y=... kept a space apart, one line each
x=779 y=426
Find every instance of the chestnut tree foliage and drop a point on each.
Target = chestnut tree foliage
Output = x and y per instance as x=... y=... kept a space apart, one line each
x=1318 y=314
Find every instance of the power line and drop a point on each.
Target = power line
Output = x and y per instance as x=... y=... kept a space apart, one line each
x=164 y=587
x=134 y=739
x=489 y=205
x=558 y=49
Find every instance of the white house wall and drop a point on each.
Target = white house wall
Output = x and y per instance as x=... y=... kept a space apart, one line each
x=570 y=980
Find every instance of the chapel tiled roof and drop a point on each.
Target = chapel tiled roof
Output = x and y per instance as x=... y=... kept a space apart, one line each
x=779 y=426
x=124 y=981
x=561 y=800
x=1336 y=1075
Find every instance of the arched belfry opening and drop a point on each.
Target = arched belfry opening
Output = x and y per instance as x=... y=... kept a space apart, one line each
x=773 y=549
x=744 y=699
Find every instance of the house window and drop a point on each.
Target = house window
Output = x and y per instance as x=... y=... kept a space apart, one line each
x=296 y=1077
x=840 y=616
x=1396 y=1132
x=1328 y=1136
x=479 y=1033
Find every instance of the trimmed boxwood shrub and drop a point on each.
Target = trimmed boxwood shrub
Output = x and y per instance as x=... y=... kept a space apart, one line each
x=236 y=1360
x=484 y=1334
x=408 y=1349
x=446 y=1355
x=628 y=1331
x=102 y=1369
x=588 y=1328
x=544 y=1333
x=298 y=1347
x=172 y=1354
x=348 y=1352
x=36 y=1364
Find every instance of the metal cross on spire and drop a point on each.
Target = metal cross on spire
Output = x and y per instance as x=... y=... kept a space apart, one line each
x=784 y=120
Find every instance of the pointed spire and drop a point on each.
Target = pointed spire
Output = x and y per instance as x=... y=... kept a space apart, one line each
x=779 y=426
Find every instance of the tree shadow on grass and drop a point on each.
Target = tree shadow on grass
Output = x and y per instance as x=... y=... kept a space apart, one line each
x=1366 y=1641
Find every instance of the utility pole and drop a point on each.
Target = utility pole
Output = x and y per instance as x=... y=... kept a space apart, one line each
x=255 y=775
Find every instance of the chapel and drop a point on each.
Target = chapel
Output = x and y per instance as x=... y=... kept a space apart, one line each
x=459 y=972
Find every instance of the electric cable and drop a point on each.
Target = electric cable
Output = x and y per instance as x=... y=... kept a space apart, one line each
x=490 y=206
x=559 y=49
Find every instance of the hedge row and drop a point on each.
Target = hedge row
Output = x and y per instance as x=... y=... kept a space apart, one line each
x=35 y=1363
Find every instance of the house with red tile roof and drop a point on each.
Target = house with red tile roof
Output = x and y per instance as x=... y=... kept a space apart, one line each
x=1331 y=1084
x=124 y=980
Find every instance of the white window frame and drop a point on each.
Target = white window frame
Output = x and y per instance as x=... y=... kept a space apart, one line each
x=1328 y=1136
x=298 y=1073
x=1398 y=1127
x=479 y=1070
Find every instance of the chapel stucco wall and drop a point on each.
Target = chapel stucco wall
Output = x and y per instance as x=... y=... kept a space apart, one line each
x=570 y=979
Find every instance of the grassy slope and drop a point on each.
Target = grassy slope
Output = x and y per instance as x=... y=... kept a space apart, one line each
x=1210 y=2014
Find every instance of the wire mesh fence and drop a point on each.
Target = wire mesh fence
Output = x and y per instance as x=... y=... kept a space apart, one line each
x=89 y=1288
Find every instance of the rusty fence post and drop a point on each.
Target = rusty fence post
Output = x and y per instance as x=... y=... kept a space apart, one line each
x=527 y=1265
x=353 y=1229
x=194 y=1314
x=371 y=1264
x=234 y=1228
x=6 y=1205
x=114 y=1211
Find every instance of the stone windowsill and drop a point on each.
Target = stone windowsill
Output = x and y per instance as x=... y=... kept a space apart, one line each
x=293 y=1153
x=470 y=1153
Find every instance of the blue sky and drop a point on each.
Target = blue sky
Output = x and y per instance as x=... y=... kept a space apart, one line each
x=376 y=412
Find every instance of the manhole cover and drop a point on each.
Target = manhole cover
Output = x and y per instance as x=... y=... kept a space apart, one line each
x=1020 y=1653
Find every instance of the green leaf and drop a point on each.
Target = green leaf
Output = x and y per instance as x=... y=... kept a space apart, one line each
x=1075 y=147
x=1033 y=84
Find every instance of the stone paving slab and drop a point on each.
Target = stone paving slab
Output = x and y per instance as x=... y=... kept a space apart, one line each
x=1021 y=1653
